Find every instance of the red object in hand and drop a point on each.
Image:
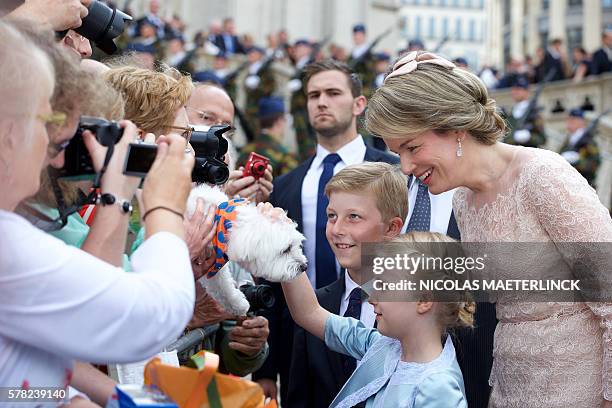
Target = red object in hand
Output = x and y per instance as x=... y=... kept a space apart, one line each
x=255 y=166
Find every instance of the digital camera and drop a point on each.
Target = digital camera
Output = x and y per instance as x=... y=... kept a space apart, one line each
x=260 y=297
x=77 y=160
x=255 y=166
x=210 y=148
x=102 y=25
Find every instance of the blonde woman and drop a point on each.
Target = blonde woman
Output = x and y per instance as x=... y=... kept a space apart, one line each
x=445 y=127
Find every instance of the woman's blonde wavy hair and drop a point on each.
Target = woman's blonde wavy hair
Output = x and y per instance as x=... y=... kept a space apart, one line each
x=151 y=97
x=434 y=98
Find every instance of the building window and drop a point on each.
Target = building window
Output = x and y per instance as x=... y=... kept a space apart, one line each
x=472 y=30
x=429 y=2
x=575 y=3
x=445 y=27
x=455 y=3
x=417 y=26
x=468 y=3
x=607 y=3
x=405 y=25
x=481 y=4
x=442 y=3
x=432 y=26
x=458 y=29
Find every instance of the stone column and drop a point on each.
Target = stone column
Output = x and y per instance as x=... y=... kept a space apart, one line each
x=494 y=34
x=591 y=24
x=534 y=8
x=517 y=13
x=556 y=20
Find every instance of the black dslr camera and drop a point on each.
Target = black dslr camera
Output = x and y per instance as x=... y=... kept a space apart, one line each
x=209 y=146
x=78 y=162
x=260 y=297
x=102 y=25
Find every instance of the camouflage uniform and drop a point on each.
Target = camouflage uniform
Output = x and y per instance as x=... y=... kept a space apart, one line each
x=584 y=156
x=367 y=73
x=534 y=125
x=281 y=159
x=304 y=133
x=266 y=87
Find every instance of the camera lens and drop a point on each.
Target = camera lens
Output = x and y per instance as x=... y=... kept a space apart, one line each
x=259 y=169
x=219 y=174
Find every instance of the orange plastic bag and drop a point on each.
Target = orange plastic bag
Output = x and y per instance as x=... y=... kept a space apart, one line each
x=204 y=387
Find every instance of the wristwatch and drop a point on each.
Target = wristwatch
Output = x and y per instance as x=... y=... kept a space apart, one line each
x=109 y=199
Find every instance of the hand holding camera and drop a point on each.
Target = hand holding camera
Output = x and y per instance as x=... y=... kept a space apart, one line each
x=113 y=180
x=250 y=181
x=57 y=14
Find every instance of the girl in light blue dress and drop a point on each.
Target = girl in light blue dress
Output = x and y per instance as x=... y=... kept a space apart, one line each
x=402 y=363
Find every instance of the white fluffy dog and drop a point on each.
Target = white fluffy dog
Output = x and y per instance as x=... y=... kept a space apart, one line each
x=260 y=239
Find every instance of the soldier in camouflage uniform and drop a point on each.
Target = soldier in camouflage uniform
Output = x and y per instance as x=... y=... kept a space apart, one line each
x=362 y=61
x=271 y=115
x=304 y=134
x=259 y=83
x=363 y=64
x=532 y=133
x=580 y=150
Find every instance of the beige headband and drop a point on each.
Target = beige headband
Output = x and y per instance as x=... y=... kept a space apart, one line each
x=410 y=61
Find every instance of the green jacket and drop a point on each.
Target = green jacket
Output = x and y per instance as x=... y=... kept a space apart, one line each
x=231 y=361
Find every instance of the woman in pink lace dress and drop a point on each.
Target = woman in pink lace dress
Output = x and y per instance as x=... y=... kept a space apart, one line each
x=444 y=126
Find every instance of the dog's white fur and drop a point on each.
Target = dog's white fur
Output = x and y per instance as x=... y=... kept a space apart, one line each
x=266 y=245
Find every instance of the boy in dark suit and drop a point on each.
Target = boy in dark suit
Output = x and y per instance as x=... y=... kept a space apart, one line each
x=367 y=203
x=334 y=100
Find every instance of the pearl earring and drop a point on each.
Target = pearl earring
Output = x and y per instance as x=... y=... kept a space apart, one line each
x=459 y=149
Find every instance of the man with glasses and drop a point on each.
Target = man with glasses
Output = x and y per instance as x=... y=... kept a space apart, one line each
x=210 y=105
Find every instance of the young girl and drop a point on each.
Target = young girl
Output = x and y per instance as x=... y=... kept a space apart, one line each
x=402 y=363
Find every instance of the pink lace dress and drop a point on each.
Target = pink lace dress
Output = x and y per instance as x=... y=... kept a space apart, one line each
x=545 y=354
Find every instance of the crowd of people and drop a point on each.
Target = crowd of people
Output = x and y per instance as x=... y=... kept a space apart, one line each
x=76 y=294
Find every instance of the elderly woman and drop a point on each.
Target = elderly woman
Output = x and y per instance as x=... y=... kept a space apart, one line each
x=51 y=311
x=446 y=130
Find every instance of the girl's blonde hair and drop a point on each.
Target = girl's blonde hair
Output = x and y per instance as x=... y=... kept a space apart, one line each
x=151 y=97
x=434 y=98
x=385 y=181
x=448 y=314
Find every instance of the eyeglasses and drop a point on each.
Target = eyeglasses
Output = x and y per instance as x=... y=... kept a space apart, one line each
x=187 y=131
x=54 y=121
x=209 y=118
x=54 y=118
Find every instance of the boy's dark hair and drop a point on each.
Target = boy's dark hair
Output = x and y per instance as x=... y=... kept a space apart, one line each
x=332 y=65
x=266 y=122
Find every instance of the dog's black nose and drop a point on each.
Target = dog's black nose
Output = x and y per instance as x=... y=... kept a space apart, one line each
x=303 y=268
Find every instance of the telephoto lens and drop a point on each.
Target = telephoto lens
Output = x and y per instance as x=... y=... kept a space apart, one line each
x=102 y=25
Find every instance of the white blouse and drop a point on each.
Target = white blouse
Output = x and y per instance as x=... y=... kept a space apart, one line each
x=58 y=303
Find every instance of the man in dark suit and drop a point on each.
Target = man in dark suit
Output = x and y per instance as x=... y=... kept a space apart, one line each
x=228 y=41
x=554 y=59
x=334 y=101
x=602 y=58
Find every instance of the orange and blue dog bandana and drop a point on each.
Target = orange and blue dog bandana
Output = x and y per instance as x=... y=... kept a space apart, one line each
x=224 y=216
